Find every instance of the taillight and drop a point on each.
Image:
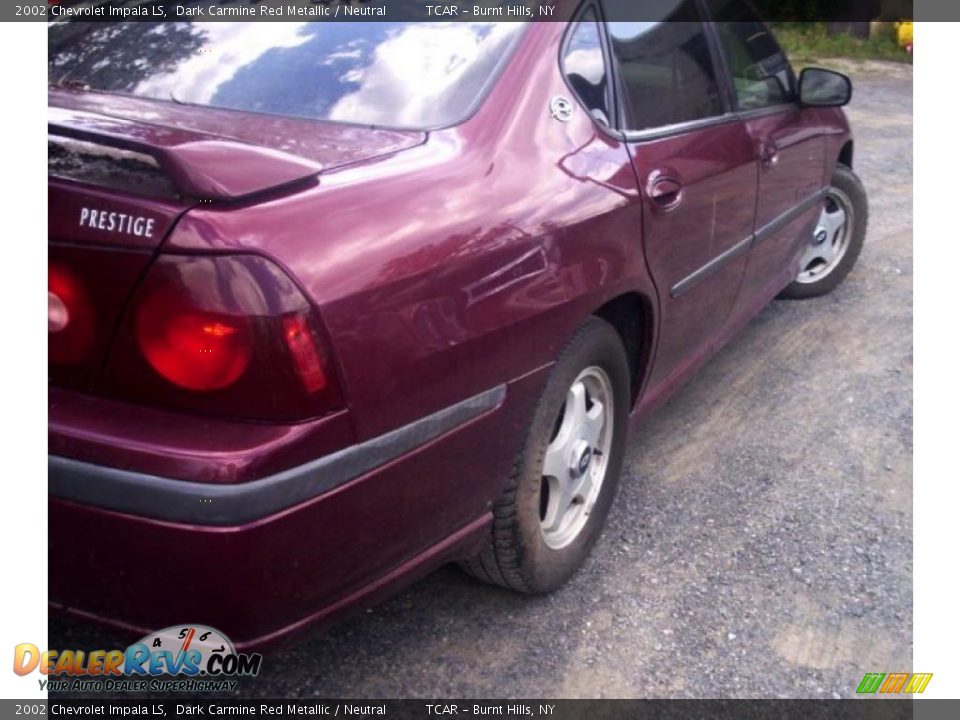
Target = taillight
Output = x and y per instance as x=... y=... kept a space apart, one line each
x=303 y=351
x=70 y=319
x=225 y=335
x=194 y=349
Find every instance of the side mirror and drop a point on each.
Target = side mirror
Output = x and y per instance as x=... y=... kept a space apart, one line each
x=824 y=88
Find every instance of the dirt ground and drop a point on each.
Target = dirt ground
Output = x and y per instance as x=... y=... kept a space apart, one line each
x=761 y=543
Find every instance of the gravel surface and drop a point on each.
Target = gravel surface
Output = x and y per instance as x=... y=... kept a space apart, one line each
x=761 y=543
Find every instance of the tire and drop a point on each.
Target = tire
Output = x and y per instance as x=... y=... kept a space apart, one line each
x=537 y=540
x=820 y=275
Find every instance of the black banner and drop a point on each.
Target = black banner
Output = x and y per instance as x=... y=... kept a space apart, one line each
x=850 y=11
x=865 y=709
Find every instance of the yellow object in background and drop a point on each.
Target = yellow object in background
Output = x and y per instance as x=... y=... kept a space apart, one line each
x=905 y=34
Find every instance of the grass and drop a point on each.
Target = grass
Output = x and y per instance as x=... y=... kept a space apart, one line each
x=809 y=42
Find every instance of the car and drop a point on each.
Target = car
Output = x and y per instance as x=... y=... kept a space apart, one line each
x=334 y=304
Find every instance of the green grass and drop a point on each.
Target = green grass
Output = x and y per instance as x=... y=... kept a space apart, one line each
x=809 y=42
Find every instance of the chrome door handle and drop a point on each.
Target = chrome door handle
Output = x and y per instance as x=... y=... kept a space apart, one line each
x=769 y=154
x=665 y=191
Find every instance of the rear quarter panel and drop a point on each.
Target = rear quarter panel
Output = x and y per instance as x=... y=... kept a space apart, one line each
x=460 y=264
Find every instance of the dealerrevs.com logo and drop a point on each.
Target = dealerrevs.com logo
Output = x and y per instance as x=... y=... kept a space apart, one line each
x=187 y=658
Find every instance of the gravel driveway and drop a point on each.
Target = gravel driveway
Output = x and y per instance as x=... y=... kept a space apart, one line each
x=761 y=543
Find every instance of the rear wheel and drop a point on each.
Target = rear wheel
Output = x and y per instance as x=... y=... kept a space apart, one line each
x=836 y=241
x=564 y=481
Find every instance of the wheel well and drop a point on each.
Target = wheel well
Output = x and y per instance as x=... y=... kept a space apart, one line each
x=846 y=154
x=631 y=315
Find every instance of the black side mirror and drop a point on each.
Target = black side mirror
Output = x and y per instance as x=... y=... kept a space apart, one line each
x=824 y=88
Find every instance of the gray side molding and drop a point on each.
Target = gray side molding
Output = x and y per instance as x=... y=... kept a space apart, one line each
x=780 y=222
x=212 y=504
x=761 y=234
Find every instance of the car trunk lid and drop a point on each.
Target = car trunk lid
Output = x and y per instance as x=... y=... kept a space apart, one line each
x=215 y=154
x=122 y=171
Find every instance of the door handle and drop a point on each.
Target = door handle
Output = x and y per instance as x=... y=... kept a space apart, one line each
x=665 y=191
x=769 y=155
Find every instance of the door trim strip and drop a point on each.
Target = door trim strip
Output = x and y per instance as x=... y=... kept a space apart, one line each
x=701 y=274
x=732 y=253
x=784 y=219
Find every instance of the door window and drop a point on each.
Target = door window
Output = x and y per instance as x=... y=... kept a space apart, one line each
x=666 y=68
x=762 y=76
x=584 y=66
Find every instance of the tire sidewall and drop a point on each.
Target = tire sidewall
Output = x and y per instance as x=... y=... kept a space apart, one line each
x=597 y=344
x=845 y=180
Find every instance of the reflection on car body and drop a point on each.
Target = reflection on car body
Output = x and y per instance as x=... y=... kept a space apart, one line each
x=404 y=289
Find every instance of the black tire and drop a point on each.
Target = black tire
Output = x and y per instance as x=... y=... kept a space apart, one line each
x=516 y=555
x=847 y=182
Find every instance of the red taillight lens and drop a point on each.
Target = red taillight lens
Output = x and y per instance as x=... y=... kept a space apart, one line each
x=303 y=350
x=223 y=335
x=191 y=348
x=70 y=320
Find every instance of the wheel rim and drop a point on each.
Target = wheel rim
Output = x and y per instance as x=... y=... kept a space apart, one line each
x=830 y=240
x=575 y=463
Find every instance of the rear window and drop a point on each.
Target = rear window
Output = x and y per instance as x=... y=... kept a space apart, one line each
x=415 y=75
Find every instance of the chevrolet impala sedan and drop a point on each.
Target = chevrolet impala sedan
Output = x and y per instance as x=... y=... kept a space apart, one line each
x=333 y=304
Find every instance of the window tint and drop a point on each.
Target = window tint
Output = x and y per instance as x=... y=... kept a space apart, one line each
x=584 y=66
x=666 y=68
x=405 y=74
x=762 y=75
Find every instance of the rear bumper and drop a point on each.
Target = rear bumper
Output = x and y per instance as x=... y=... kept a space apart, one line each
x=132 y=596
x=233 y=504
x=262 y=559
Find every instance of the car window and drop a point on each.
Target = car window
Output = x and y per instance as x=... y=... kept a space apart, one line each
x=398 y=74
x=665 y=67
x=762 y=75
x=584 y=66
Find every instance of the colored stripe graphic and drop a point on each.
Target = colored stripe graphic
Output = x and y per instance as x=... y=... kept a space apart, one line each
x=870 y=683
x=918 y=683
x=893 y=683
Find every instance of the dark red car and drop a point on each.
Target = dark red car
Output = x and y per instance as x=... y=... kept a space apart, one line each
x=332 y=304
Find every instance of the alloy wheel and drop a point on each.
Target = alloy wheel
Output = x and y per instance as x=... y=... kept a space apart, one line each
x=830 y=239
x=576 y=460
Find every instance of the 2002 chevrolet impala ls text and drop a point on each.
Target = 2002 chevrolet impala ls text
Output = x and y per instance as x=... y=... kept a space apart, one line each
x=331 y=305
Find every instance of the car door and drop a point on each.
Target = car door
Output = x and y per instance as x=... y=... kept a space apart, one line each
x=696 y=169
x=788 y=141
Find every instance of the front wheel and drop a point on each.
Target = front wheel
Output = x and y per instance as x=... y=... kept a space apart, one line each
x=563 y=483
x=836 y=241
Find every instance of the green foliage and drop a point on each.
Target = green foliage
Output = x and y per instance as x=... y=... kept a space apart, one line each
x=808 y=42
